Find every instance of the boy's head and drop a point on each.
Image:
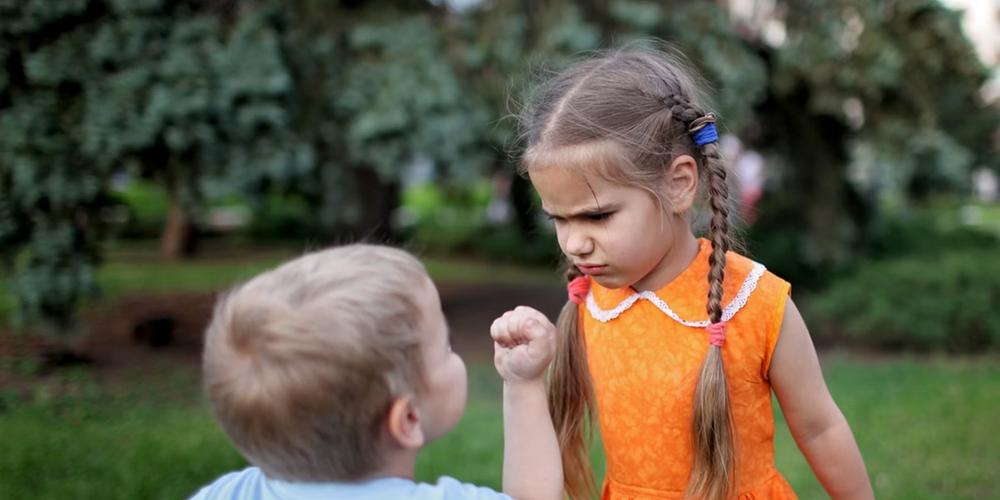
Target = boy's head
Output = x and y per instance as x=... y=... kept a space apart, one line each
x=320 y=368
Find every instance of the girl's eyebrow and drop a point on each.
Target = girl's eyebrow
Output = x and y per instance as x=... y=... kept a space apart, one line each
x=584 y=212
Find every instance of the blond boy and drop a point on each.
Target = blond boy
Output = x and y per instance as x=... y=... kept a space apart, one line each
x=332 y=371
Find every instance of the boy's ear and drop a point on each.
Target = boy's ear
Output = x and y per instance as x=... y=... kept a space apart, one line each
x=682 y=183
x=403 y=423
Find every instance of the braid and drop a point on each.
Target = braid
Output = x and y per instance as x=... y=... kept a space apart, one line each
x=712 y=475
x=571 y=399
x=682 y=110
x=718 y=196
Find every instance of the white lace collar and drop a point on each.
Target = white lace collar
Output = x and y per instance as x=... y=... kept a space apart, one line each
x=749 y=285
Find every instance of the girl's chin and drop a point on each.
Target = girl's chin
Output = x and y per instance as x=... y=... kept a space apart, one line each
x=609 y=281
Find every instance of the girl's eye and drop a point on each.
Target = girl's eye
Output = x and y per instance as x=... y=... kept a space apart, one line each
x=599 y=216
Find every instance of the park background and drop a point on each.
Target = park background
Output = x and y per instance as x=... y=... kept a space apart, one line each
x=155 y=152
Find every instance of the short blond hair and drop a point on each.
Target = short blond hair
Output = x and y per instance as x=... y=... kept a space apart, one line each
x=301 y=362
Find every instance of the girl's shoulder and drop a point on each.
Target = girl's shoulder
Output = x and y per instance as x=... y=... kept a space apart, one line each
x=746 y=278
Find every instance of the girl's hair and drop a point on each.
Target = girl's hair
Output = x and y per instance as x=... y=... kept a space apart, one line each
x=635 y=107
x=301 y=363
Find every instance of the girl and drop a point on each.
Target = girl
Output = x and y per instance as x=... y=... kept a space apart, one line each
x=676 y=343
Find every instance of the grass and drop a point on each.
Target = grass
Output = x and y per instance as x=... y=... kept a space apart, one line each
x=925 y=426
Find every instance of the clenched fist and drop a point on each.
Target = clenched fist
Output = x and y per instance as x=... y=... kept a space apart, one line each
x=524 y=343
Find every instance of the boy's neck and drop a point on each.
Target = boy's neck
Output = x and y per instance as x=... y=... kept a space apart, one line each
x=398 y=463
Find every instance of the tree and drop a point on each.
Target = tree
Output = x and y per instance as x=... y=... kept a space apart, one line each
x=183 y=96
x=51 y=196
x=169 y=90
x=504 y=47
x=888 y=90
x=374 y=95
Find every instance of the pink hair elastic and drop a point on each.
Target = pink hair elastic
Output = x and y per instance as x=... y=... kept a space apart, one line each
x=578 y=289
x=717 y=333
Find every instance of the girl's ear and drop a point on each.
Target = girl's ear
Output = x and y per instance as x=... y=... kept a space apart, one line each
x=682 y=183
x=403 y=423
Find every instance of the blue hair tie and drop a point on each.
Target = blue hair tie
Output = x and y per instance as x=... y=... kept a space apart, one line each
x=703 y=131
x=706 y=135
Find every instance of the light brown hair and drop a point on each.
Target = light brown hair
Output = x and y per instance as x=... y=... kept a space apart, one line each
x=639 y=104
x=301 y=362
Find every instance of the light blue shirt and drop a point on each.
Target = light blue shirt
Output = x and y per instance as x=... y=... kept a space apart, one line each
x=252 y=484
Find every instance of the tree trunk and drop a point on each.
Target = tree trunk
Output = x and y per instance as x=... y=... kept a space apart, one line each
x=379 y=201
x=358 y=205
x=815 y=194
x=176 y=241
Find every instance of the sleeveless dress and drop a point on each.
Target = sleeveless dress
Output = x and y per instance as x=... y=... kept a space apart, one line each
x=645 y=353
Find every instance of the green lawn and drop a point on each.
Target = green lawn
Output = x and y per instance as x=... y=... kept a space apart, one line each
x=925 y=426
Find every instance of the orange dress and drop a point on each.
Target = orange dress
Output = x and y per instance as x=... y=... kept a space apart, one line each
x=645 y=364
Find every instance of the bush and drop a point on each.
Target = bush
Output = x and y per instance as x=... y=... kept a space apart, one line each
x=922 y=234
x=505 y=244
x=444 y=219
x=283 y=217
x=783 y=249
x=925 y=302
x=146 y=211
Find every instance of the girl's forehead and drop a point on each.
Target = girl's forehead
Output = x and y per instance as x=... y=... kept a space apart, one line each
x=604 y=159
x=568 y=190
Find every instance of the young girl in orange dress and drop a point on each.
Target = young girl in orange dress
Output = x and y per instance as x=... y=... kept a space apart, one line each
x=676 y=342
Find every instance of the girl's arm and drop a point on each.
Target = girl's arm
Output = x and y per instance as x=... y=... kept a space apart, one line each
x=524 y=345
x=818 y=426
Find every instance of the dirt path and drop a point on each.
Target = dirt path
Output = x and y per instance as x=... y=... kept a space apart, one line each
x=471 y=309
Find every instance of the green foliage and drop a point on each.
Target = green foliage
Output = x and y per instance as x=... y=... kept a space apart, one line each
x=331 y=104
x=703 y=32
x=940 y=301
x=445 y=219
x=780 y=248
x=929 y=233
x=160 y=89
x=507 y=244
x=862 y=119
x=145 y=206
x=50 y=195
x=283 y=217
x=453 y=220
x=403 y=97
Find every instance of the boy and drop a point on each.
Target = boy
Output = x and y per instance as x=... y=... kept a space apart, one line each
x=331 y=372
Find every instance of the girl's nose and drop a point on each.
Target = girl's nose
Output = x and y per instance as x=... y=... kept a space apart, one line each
x=578 y=243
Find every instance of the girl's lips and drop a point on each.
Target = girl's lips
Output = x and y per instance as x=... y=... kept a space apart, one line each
x=592 y=270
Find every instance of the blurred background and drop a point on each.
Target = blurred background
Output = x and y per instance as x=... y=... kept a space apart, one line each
x=154 y=152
